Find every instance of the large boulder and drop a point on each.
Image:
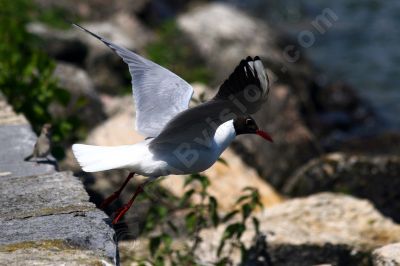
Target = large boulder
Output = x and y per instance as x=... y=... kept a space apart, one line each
x=376 y=178
x=386 y=142
x=92 y=9
x=324 y=228
x=84 y=102
x=63 y=45
x=224 y=35
x=388 y=255
x=108 y=71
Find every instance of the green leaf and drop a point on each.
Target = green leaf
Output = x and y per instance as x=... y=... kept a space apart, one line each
x=256 y=224
x=172 y=226
x=220 y=247
x=231 y=230
x=185 y=198
x=203 y=181
x=166 y=240
x=223 y=262
x=190 y=221
x=229 y=216
x=189 y=179
x=63 y=96
x=243 y=252
x=154 y=244
x=161 y=211
x=240 y=230
x=242 y=198
x=221 y=160
x=246 y=211
x=213 y=209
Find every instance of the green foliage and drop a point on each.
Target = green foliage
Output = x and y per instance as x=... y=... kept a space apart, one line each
x=55 y=17
x=162 y=230
x=26 y=73
x=234 y=231
x=174 y=52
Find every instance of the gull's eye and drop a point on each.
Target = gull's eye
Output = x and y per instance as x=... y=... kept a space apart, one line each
x=249 y=121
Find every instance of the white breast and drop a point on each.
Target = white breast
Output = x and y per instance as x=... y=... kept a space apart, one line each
x=187 y=158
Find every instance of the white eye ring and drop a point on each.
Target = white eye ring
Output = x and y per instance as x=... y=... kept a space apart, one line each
x=248 y=121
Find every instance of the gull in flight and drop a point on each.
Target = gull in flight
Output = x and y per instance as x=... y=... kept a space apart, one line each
x=180 y=140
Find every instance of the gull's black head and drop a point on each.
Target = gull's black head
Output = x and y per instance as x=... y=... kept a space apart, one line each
x=247 y=125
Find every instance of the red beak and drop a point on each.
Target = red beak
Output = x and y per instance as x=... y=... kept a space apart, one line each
x=264 y=135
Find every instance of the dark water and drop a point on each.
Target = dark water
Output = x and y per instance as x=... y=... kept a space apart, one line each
x=361 y=47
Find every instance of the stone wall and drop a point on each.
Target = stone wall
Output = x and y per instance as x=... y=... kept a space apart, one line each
x=45 y=215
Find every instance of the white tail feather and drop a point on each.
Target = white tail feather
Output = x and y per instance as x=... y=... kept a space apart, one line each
x=99 y=158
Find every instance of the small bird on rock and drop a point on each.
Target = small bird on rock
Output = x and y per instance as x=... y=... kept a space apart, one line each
x=180 y=140
x=43 y=144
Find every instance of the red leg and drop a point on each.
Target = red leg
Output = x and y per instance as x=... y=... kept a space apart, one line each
x=121 y=211
x=116 y=194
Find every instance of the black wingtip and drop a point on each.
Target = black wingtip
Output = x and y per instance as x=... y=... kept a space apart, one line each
x=243 y=76
x=88 y=31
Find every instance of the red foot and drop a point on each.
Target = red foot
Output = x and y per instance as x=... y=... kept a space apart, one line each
x=120 y=212
x=116 y=194
x=110 y=199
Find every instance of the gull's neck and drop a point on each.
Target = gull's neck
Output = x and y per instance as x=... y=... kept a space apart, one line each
x=224 y=135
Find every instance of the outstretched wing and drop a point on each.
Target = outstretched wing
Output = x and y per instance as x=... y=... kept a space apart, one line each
x=159 y=94
x=242 y=93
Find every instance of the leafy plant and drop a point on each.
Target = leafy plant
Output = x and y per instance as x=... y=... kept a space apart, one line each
x=26 y=74
x=234 y=231
x=197 y=216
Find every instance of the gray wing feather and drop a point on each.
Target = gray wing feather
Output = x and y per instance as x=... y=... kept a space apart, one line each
x=158 y=93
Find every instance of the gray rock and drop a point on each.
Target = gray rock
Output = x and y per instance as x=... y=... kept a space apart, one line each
x=41 y=195
x=321 y=229
x=8 y=116
x=84 y=102
x=108 y=72
x=387 y=142
x=93 y=9
x=375 y=178
x=83 y=231
x=63 y=45
x=224 y=35
x=50 y=253
x=387 y=255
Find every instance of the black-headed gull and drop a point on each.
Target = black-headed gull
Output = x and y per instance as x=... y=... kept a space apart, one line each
x=179 y=140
